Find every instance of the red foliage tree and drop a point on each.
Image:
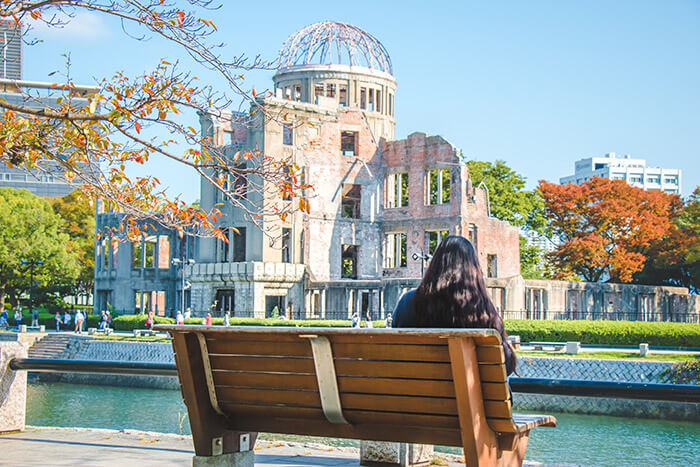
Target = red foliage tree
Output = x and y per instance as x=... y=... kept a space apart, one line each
x=606 y=226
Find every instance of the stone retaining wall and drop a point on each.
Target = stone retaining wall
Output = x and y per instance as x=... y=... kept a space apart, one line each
x=601 y=370
x=531 y=367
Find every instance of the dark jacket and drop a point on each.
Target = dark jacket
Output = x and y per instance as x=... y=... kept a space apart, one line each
x=404 y=316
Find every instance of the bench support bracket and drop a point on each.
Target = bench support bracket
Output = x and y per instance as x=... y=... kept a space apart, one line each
x=327 y=381
x=211 y=389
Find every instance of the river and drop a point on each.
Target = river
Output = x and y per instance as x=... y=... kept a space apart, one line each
x=580 y=439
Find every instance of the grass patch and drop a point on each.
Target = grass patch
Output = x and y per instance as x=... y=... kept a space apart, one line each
x=605 y=355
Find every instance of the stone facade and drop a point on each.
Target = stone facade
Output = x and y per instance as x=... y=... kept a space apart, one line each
x=13 y=385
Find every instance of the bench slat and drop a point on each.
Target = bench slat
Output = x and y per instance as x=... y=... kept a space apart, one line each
x=259 y=396
x=498 y=409
x=417 y=370
x=411 y=387
x=490 y=354
x=298 y=348
x=379 y=432
x=265 y=380
x=526 y=422
x=492 y=373
x=393 y=352
x=495 y=391
x=502 y=425
x=263 y=364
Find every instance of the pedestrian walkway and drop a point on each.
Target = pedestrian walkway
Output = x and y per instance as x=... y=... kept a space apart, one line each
x=98 y=447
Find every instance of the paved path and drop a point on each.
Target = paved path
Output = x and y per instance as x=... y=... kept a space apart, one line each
x=98 y=447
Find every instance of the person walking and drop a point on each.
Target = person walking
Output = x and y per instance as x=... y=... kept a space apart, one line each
x=103 y=321
x=207 y=320
x=180 y=319
x=57 y=318
x=3 y=319
x=368 y=321
x=227 y=318
x=35 y=317
x=67 y=320
x=18 y=316
x=355 y=321
x=188 y=313
x=108 y=320
x=149 y=320
x=79 y=318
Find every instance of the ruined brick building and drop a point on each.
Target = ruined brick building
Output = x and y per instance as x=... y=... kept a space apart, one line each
x=378 y=207
x=376 y=202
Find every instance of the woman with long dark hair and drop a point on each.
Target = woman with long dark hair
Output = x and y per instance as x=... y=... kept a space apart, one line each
x=452 y=294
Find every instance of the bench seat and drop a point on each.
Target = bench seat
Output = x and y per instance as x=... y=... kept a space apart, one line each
x=430 y=386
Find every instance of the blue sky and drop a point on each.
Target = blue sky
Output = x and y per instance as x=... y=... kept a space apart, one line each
x=538 y=84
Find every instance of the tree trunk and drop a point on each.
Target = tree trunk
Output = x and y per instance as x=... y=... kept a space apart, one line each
x=2 y=297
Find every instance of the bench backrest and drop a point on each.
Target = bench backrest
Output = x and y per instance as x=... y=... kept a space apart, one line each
x=381 y=384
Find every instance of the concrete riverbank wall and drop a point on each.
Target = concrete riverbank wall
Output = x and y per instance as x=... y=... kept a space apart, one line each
x=531 y=367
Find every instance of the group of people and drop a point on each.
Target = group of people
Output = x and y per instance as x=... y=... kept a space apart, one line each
x=66 y=320
x=355 y=320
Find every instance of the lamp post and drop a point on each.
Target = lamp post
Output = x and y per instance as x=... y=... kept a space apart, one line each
x=182 y=263
x=31 y=263
x=423 y=257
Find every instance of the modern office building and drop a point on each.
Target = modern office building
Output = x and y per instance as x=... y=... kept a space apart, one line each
x=47 y=178
x=633 y=171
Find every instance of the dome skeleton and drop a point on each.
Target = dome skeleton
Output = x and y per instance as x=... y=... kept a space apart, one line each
x=317 y=41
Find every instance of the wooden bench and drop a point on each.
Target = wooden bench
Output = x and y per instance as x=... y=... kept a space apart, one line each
x=431 y=386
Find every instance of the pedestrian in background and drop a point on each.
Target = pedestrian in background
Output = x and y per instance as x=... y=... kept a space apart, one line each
x=188 y=313
x=79 y=318
x=57 y=317
x=355 y=320
x=207 y=320
x=227 y=318
x=3 y=319
x=18 y=316
x=180 y=319
x=67 y=320
x=368 y=321
x=35 y=317
x=108 y=320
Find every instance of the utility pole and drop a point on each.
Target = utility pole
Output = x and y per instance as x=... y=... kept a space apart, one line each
x=31 y=263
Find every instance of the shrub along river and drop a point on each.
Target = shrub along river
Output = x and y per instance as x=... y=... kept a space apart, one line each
x=579 y=439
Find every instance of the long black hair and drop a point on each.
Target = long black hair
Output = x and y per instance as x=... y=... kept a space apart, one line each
x=452 y=293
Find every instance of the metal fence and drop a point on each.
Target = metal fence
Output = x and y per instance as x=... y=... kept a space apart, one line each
x=609 y=316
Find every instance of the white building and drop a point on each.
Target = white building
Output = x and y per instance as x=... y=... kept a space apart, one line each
x=634 y=171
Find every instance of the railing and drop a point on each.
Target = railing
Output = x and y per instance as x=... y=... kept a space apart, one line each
x=612 y=316
x=645 y=391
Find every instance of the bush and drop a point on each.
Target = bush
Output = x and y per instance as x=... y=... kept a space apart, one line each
x=131 y=322
x=606 y=332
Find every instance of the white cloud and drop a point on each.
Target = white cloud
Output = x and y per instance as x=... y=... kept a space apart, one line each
x=83 y=25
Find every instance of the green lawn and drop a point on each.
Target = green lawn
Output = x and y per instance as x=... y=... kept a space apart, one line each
x=607 y=355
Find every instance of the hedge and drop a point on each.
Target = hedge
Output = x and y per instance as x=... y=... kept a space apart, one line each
x=317 y=323
x=606 y=332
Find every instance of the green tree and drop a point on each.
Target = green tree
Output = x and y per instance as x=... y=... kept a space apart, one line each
x=507 y=196
x=31 y=231
x=79 y=224
x=532 y=262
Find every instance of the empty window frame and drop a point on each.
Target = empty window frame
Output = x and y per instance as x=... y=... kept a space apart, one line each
x=149 y=246
x=363 y=98
x=104 y=250
x=222 y=247
x=287 y=134
x=348 y=143
x=349 y=261
x=286 y=245
x=395 y=250
x=434 y=239
x=297 y=92
x=397 y=190
x=370 y=105
x=438 y=186
x=163 y=251
x=288 y=93
x=318 y=91
x=240 y=182
x=137 y=253
x=491 y=265
x=239 y=245
x=391 y=104
x=115 y=254
x=351 y=201
x=330 y=90
x=343 y=95
x=472 y=235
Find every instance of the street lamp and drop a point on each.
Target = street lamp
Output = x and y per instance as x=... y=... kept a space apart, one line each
x=182 y=263
x=31 y=263
x=423 y=257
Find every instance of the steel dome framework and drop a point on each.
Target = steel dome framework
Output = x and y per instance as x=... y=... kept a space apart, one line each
x=334 y=43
